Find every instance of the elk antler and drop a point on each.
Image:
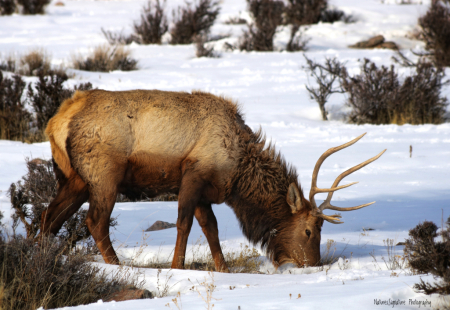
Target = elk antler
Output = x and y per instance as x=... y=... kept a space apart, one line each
x=318 y=211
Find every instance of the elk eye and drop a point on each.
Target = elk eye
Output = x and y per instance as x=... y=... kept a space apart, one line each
x=308 y=232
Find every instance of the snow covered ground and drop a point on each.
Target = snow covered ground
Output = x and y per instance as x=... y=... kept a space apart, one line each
x=271 y=89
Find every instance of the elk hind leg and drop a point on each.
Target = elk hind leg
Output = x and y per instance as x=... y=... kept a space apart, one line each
x=71 y=194
x=208 y=223
x=101 y=204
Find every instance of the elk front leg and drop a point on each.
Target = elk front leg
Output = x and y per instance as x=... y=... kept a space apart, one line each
x=208 y=223
x=188 y=199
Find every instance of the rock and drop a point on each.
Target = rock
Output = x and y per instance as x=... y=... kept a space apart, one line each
x=389 y=45
x=375 y=42
x=160 y=225
x=129 y=294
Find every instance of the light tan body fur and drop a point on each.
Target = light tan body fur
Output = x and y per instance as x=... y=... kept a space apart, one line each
x=194 y=145
x=110 y=142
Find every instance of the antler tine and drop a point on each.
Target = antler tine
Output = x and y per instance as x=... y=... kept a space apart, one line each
x=326 y=204
x=314 y=189
x=335 y=219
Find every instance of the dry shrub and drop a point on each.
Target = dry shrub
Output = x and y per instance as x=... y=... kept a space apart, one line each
x=376 y=95
x=30 y=197
x=105 y=59
x=32 y=7
x=41 y=276
x=14 y=118
x=204 y=51
x=245 y=260
x=435 y=32
x=305 y=12
x=335 y=15
x=47 y=95
x=296 y=41
x=34 y=61
x=190 y=22
x=299 y=13
x=7 y=7
x=235 y=21
x=8 y=64
x=152 y=26
x=267 y=16
x=119 y=38
x=325 y=76
x=329 y=256
x=427 y=255
x=153 y=23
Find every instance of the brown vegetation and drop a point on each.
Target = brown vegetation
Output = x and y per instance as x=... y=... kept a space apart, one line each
x=50 y=277
x=190 y=22
x=377 y=95
x=106 y=59
x=435 y=32
x=426 y=254
x=32 y=7
x=153 y=23
x=14 y=117
x=7 y=7
x=267 y=16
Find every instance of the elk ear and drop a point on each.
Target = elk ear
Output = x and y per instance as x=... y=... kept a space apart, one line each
x=294 y=199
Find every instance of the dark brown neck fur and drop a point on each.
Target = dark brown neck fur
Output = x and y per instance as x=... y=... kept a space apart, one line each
x=258 y=194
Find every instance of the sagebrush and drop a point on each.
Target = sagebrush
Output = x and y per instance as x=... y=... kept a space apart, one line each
x=46 y=275
x=427 y=254
x=26 y=7
x=153 y=23
x=435 y=32
x=32 y=7
x=267 y=16
x=192 y=21
x=7 y=7
x=379 y=96
x=14 y=117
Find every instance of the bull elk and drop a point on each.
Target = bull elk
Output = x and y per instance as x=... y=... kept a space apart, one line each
x=195 y=145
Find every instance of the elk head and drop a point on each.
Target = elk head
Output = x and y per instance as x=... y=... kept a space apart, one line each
x=303 y=244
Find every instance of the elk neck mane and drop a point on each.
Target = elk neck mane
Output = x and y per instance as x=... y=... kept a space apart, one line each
x=258 y=193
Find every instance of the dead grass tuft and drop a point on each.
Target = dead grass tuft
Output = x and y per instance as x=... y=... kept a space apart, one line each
x=244 y=260
x=105 y=59
x=34 y=61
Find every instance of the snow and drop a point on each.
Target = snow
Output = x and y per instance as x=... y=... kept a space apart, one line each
x=270 y=88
